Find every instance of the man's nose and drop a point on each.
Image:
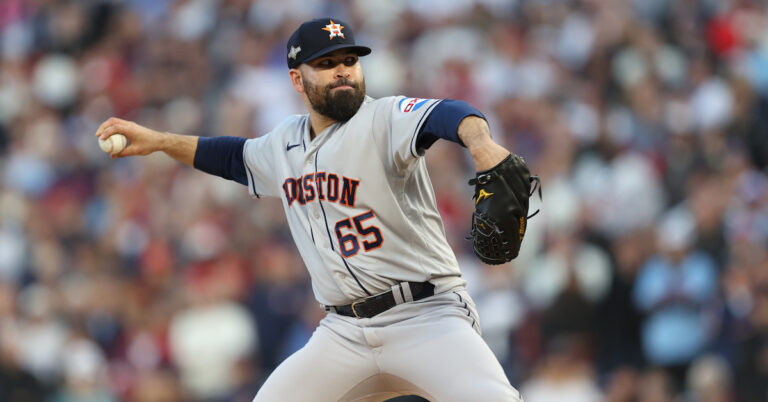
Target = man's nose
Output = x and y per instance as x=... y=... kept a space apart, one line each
x=342 y=71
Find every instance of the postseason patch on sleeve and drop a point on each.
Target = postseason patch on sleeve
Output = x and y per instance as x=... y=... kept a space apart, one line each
x=410 y=104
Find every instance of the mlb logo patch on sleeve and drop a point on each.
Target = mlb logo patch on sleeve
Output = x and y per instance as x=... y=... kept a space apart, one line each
x=410 y=104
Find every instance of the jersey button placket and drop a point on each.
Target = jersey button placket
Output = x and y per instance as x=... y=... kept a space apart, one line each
x=314 y=209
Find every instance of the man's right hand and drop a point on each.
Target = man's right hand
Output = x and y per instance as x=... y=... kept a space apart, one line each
x=141 y=140
x=144 y=141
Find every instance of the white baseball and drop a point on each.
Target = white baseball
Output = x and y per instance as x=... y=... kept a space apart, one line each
x=114 y=144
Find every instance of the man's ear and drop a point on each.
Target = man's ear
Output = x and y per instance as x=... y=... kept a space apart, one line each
x=296 y=80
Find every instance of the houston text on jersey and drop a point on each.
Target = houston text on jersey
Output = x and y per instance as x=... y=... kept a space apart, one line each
x=321 y=186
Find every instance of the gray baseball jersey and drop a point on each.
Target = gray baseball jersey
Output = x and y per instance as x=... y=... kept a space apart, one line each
x=362 y=212
x=358 y=199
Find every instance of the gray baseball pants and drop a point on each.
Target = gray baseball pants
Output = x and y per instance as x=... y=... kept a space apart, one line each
x=431 y=348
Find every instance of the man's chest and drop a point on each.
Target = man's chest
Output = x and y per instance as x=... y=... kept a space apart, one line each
x=336 y=168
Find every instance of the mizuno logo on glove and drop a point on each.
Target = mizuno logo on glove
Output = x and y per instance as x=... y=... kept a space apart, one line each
x=482 y=195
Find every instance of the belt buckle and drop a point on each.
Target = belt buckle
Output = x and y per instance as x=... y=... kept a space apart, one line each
x=353 y=308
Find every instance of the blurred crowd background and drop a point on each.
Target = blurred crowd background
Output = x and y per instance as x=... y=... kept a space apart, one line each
x=644 y=278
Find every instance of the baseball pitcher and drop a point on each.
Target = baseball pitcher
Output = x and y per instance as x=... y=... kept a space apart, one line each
x=362 y=211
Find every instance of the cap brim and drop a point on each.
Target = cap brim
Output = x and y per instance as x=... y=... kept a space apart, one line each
x=360 y=50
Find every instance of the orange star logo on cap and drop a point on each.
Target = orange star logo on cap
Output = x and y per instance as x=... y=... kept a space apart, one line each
x=334 y=29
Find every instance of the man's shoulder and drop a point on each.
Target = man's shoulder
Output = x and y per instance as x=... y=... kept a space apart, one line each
x=383 y=101
x=291 y=124
x=376 y=103
x=403 y=103
x=290 y=127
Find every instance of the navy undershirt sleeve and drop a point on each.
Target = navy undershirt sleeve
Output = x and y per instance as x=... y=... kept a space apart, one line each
x=223 y=157
x=444 y=121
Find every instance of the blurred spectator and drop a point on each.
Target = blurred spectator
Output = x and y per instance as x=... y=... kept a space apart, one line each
x=622 y=386
x=16 y=382
x=156 y=386
x=674 y=289
x=85 y=376
x=42 y=335
x=211 y=336
x=656 y=386
x=564 y=374
x=278 y=297
x=618 y=319
x=709 y=380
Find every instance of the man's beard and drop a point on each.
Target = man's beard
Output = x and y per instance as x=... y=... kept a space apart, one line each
x=338 y=105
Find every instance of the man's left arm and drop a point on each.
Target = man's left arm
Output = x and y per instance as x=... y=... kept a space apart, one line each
x=476 y=136
x=459 y=122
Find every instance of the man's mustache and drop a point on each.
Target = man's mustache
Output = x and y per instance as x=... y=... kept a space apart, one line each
x=343 y=82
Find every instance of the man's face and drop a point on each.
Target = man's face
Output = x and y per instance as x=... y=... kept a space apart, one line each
x=334 y=84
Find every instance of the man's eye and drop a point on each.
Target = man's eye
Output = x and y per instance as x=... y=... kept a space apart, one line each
x=325 y=63
x=350 y=61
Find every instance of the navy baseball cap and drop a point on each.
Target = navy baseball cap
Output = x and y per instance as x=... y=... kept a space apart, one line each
x=319 y=37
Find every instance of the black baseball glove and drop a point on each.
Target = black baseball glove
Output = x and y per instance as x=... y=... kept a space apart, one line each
x=501 y=209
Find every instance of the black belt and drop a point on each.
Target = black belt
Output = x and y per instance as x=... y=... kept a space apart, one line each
x=400 y=293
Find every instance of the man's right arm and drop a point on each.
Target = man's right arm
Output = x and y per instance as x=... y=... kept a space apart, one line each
x=220 y=156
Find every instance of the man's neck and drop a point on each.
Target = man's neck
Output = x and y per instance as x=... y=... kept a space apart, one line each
x=319 y=123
